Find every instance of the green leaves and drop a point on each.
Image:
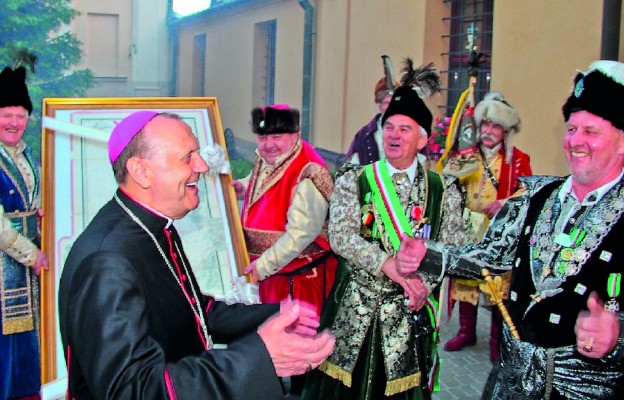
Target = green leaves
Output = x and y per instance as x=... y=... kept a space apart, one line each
x=39 y=27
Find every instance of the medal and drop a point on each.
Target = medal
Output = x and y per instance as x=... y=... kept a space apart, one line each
x=416 y=213
x=566 y=254
x=570 y=270
x=367 y=218
x=375 y=231
x=613 y=291
x=579 y=255
x=562 y=267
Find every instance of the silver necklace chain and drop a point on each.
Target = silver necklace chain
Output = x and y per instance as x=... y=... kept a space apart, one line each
x=197 y=311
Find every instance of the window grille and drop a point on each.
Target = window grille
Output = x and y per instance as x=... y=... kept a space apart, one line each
x=470 y=24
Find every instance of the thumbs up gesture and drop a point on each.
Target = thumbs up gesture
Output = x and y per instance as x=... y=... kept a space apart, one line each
x=596 y=329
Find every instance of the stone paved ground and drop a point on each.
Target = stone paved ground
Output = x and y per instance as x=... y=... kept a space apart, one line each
x=463 y=373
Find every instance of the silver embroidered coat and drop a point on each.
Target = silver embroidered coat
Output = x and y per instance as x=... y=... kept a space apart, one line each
x=548 y=291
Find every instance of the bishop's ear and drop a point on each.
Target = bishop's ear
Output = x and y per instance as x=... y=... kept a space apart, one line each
x=139 y=172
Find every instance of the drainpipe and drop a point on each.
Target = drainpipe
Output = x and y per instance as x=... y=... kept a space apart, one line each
x=611 y=13
x=307 y=67
x=173 y=48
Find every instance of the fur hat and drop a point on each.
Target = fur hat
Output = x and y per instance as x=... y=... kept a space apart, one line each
x=13 y=89
x=599 y=91
x=407 y=100
x=276 y=118
x=493 y=107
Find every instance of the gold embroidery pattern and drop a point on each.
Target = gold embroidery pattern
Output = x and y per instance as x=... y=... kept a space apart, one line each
x=258 y=241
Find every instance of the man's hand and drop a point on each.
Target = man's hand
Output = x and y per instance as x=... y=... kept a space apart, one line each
x=39 y=216
x=409 y=256
x=291 y=352
x=491 y=209
x=41 y=262
x=417 y=300
x=251 y=269
x=597 y=329
x=413 y=286
x=238 y=189
x=308 y=321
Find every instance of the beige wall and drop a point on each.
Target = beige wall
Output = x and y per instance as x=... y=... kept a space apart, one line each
x=126 y=46
x=350 y=37
x=535 y=56
x=537 y=47
x=105 y=29
x=229 y=59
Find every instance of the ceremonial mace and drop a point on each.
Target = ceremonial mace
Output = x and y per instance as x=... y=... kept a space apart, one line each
x=493 y=288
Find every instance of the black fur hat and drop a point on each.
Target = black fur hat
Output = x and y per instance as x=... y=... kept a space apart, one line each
x=406 y=101
x=417 y=83
x=599 y=91
x=13 y=89
x=276 y=118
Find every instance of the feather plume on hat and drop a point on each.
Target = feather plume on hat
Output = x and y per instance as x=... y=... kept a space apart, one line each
x=387 y=84
x=424 y=79
x=416 y=84
x=23 y=57
x=389 y=78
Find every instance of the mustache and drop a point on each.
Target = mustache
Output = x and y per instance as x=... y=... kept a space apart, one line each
x=487 y=136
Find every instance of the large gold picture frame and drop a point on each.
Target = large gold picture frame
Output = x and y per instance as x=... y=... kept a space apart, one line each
x=78 y=180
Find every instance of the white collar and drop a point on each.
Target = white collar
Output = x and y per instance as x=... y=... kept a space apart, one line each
x=591 y=197
x=411 y=170
x=491 y=152
x=169 y=220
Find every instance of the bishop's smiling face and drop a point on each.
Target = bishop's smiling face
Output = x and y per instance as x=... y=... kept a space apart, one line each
x=175 y=165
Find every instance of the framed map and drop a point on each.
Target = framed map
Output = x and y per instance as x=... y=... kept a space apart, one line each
x=78 y=180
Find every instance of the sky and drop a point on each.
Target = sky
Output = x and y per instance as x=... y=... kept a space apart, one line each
x=186 y=7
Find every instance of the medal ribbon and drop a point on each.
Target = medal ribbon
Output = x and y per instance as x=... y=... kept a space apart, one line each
x=613 y=285
x=388 y=204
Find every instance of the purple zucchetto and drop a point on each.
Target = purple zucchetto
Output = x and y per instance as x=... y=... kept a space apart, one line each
x=125 y=130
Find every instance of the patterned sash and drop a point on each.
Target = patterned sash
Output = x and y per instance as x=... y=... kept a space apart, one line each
x=397 y=224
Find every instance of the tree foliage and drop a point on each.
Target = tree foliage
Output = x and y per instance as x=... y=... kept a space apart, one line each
x=42 y=28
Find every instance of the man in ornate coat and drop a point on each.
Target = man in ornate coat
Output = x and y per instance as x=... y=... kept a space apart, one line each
x=499 y=164
x=133 y=321
x=21 y=260
x=285 y=211
x=562 y=239
x=385 y=342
